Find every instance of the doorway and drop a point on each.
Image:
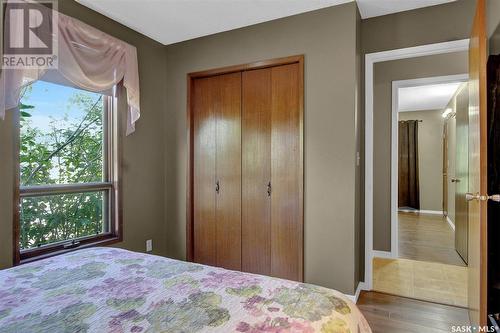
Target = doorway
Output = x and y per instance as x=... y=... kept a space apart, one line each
x=428 y=165
x=382 y=246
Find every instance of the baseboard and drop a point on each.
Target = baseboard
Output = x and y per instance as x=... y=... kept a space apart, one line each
x=354 y=298
x=433 y=212
x=382 y=254
x=422 y=211
x=402 y=210
x=450 y=222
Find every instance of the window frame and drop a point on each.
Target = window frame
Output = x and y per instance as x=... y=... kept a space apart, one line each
x=112 y=174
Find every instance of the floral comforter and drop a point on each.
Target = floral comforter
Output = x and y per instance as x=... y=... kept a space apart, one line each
x=112 y=290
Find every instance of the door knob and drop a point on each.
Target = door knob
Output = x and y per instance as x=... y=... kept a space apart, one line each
x=455 y=180
x=477 y=196
x=269 y=189
x=217 y=187
x=494 y=197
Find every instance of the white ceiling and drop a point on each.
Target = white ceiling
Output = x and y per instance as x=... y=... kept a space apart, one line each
x=428 y=97
x=172 y=21
x=372 y=8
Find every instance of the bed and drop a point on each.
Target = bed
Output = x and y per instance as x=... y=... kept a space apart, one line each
x=114 y=290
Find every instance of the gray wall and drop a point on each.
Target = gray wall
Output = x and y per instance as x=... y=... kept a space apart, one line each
x=384 y=74
x=494 y=26
x=493 y=21
x=450 y=21
x=143 y=171
x=495 y=42
x=493 y=10
x=430 y=157
x=327 y=38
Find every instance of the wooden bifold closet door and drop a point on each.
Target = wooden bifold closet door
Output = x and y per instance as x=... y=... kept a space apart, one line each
x=246 y=183
x=286 y=174
x=217 y=171
x=256 y=171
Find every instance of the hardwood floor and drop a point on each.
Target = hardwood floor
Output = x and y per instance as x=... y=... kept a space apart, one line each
x=427 y=237
x=392 y=314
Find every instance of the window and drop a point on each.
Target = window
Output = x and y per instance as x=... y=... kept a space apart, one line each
x=68 y=171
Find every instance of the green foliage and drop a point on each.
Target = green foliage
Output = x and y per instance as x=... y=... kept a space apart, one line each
x=69 y=152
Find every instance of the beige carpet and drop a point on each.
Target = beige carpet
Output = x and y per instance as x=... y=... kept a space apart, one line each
x=436 y=282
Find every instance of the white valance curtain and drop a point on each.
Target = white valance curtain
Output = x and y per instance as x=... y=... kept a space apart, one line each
x=88 y=59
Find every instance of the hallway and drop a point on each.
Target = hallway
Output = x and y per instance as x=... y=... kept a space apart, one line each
x=427 y=237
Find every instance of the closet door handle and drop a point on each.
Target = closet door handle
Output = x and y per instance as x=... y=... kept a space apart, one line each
x=269 y=189
x=217 y=187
